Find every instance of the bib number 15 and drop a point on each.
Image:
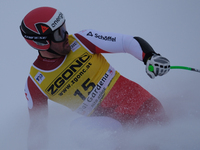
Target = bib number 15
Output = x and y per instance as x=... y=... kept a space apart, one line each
x=86 y=85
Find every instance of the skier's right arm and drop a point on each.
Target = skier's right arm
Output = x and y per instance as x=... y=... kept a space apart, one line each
x=38 y=111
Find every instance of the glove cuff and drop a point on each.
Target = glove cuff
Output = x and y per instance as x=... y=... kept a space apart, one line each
x=148 y=56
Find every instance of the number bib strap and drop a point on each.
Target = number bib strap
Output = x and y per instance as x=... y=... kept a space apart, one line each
x=97 y=94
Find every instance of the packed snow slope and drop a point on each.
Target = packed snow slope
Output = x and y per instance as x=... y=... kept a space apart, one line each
x=173 y=30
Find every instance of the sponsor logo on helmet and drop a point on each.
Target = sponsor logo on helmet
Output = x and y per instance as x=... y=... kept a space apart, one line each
x=30 y=37
x=55 y=22
x=44 y=28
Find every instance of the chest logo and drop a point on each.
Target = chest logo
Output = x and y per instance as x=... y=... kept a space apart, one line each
x=39 y=77
x=67 y=75
x=74 y=46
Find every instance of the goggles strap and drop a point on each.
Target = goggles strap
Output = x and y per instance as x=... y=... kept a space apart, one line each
x=34 y=37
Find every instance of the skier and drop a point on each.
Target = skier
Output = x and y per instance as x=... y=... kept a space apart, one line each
x=71 y=70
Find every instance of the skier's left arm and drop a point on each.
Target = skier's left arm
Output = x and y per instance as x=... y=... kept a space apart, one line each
x=106 y=42
x=161 y=65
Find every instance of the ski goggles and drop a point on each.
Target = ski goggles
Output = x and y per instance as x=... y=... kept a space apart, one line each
x=59 y=35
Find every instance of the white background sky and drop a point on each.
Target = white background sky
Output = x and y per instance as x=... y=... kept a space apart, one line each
x=172 y=27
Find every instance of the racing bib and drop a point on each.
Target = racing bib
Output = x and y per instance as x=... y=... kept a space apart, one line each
x=80 y=82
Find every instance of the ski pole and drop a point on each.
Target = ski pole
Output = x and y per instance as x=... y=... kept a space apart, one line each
x=176 y=67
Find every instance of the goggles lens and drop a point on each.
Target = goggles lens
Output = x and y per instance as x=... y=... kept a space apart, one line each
x=59 y=35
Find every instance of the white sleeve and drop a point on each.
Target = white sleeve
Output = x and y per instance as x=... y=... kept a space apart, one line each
x=113 y=42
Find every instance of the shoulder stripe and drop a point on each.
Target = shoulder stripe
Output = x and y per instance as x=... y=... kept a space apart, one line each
x=88 y=45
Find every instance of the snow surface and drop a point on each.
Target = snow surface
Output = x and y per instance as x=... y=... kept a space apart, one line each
x=173 y=30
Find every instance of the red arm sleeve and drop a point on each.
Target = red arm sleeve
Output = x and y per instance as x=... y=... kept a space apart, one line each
x=37 y=101
x=34 y=96
x=37 y=104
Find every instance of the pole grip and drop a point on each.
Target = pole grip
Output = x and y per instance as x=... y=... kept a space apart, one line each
x=151 y=68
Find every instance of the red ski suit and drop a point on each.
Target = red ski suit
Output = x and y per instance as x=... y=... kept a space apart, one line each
x=86 y=83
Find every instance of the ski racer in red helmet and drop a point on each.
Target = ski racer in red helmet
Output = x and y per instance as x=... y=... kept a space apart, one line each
x=43 y=25
x=71 y=70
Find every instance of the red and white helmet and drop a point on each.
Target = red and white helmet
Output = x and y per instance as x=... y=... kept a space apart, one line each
x=43 y=25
